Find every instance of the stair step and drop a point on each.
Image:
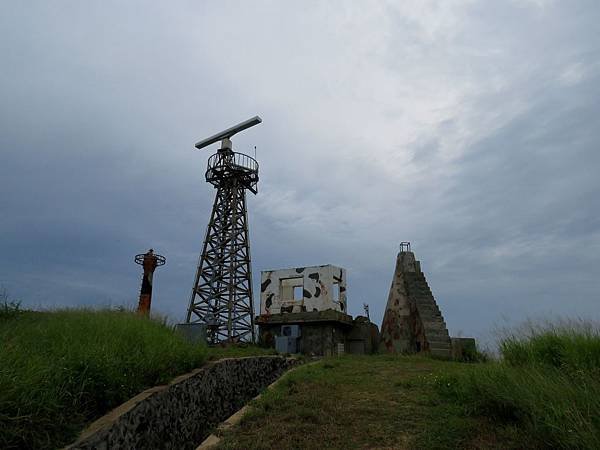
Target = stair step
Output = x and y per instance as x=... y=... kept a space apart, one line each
x=435 y=326
x=430 y=325
x=430 y=330
x=442 y=352
x=440 y=349
x=429 y=316
x=428 y=307
x=432 y=320
x=427 y=303
x=436 y=336
x=439 y=343
x=424 y=301
x=425 y=310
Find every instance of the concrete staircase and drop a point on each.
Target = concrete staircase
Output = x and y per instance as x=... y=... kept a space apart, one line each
x=435 y=330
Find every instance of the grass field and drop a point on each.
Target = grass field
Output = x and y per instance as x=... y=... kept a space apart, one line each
x=60 y=370
x=543 y=393
x=365 y=402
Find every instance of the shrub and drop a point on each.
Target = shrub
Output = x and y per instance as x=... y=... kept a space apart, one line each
x=8 y=308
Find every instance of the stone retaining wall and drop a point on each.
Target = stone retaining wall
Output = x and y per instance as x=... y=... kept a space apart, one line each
x=180 y=415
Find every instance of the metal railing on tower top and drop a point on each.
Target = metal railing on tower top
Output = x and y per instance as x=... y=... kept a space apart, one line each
x=405 y=246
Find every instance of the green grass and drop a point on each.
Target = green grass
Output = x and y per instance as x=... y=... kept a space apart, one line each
x=544 y=392
x=60 y=370
x=238 y=351
x=547 y=384
x=572 y=347
x=378 y=401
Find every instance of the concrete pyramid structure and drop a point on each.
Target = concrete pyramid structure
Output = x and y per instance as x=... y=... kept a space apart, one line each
x=412 y=322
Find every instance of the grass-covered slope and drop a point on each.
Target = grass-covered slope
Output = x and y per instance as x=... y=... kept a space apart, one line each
x=241 y=350
x=60 y=370
x=357 y=402
x=547 y=384
x=544 y=392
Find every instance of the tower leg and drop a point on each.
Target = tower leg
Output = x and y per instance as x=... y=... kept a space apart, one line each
x=222 y=293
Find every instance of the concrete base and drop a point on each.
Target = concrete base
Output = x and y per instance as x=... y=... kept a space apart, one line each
x=192 y=332
x=464 y=349
x=323 y=333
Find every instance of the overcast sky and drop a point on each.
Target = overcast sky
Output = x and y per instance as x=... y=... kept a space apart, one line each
x=469 y=128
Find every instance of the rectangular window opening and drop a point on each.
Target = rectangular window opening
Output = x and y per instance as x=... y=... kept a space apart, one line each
x=291 y=289
x=298 y=292
x=336 y=292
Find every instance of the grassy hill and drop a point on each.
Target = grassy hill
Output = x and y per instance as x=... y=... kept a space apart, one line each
x=543 y=393
x=60 y=370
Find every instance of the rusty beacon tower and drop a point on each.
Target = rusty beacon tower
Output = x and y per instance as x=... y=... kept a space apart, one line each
x=221 y=296
x=149 y=261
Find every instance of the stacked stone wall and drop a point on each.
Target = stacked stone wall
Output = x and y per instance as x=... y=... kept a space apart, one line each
x=180 y=415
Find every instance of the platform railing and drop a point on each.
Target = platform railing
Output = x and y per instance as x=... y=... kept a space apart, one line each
x=232 y=160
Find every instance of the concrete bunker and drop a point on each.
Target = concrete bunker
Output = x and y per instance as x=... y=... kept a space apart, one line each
x=304 y=310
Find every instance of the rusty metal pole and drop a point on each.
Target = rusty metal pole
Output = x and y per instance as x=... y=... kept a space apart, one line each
x=149 y=261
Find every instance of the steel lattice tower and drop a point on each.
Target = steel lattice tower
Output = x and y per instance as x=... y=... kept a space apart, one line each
x=221 y=295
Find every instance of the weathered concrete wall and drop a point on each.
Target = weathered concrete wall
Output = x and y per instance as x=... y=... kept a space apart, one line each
x=181 y=414
x=401 y=329
x=464 y=349
x=363 y=337
x=322 y=332
x=319 y=339
x=317 y=282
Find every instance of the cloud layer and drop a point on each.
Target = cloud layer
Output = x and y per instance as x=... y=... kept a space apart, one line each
x=468 y=128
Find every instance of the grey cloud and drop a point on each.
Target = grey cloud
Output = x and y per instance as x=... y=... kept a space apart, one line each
x=469 y=130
